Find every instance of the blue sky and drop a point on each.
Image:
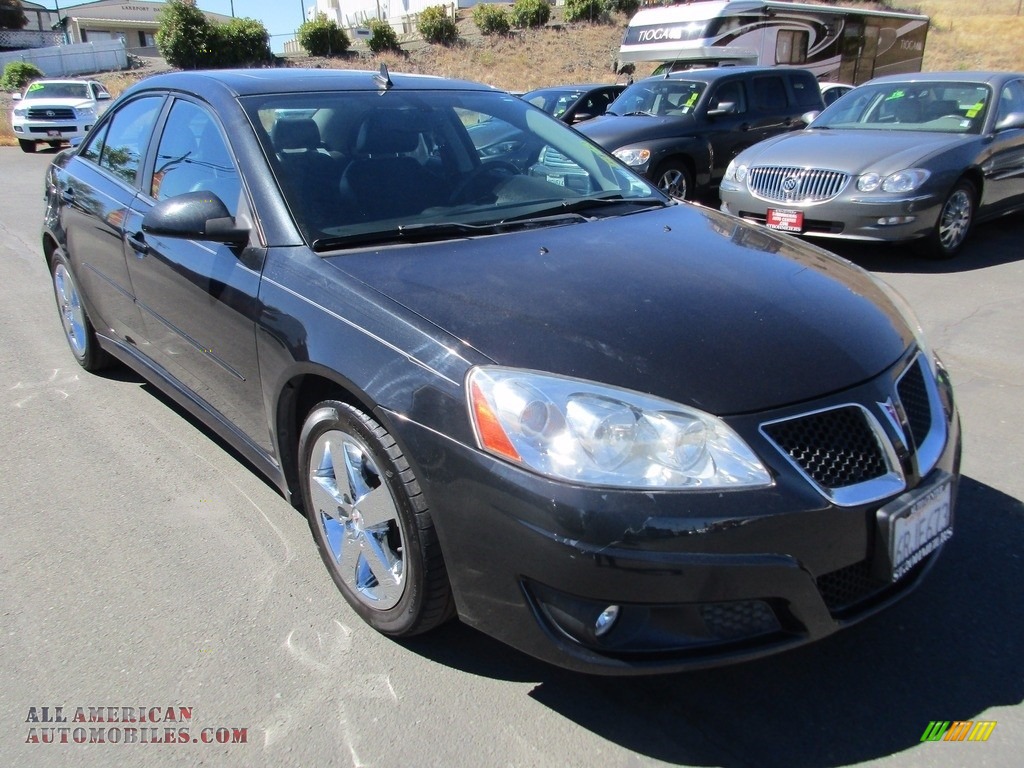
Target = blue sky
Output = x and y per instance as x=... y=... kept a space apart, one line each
x=280 y=17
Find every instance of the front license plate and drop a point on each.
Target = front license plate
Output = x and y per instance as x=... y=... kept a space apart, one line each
x=559 y=180
x=53 y=132
x=919 y=528
x=784 y=220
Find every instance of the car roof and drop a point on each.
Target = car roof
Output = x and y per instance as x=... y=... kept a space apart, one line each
x=250 y=82
x=965 y=77
x=707 y=74
x=581 y=87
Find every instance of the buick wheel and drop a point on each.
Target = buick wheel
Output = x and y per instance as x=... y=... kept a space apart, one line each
x=78 y=329
x=371 y=522
x=955 y=221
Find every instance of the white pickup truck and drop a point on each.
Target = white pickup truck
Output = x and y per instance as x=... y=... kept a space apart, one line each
x=53 y=111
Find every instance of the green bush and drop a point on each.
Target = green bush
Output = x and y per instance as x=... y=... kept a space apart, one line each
x=323 y=37
x=530 y=13
x=586 y=10
x=437 y=26
x=241 y=42
x=185 y=37
x=491 y=20
x=18 y=74
x=382 y=37
x=627 y=7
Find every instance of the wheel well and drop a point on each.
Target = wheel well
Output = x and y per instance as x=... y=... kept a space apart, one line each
x=977 y=179
x=49 y=246
x=296 y=401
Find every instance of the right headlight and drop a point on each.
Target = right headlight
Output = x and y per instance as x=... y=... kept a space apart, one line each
x=633 y=157
x=585 y=432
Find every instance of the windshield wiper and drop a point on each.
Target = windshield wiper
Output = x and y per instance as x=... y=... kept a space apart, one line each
x=431 y=232
x=639 y=112
x=577 y=206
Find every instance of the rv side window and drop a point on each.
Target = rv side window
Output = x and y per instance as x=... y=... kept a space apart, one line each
x=791 y=47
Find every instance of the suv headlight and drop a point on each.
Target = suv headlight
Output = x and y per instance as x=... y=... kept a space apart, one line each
x=85 y=111
x=633 y=157
x=20 y=111
x=590 y=433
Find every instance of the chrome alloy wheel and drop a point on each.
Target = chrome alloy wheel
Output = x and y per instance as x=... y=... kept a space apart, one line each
x=359 y=519
x=69 y=303
x=673 y=183
x=955 y=219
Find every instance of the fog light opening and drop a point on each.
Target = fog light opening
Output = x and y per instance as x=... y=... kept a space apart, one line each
x=892 y=221
x=606 y=620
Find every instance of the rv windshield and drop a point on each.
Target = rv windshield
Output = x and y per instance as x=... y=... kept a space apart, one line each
x=658 y=97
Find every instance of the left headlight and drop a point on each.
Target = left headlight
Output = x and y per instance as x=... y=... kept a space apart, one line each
x=907 y=180
x=590 y=433
x=86 y=111
x=633 y=157
x=20 y=111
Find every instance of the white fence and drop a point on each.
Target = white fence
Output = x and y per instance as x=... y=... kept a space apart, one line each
x=65 y=60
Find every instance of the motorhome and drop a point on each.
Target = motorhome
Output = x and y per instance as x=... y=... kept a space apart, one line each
x=847 y=45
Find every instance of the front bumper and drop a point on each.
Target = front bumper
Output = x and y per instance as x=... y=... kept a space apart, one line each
x=35 y=130
x=698 y=579
x=848 y=217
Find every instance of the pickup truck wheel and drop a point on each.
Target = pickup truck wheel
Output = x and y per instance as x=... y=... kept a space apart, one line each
x=27 y=146
x=674 y=179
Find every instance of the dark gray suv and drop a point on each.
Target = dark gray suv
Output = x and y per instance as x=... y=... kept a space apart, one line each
x=681 y=130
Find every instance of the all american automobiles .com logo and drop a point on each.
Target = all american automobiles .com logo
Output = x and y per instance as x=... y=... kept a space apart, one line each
x=125 y=725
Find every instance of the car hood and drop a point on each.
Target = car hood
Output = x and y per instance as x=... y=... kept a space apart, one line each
x=614 y=131
x=851 y=151
x=684 y=303
x=48 y=102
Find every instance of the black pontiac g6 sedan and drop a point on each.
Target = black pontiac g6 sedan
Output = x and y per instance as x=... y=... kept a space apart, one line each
x=617 y=432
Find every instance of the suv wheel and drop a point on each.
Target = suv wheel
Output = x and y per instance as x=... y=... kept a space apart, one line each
x=27 y=146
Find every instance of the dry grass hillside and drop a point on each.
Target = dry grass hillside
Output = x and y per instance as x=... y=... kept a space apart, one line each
x=980 y=34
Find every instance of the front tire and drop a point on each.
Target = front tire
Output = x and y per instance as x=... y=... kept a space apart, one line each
x=674 y=179
x=27 y=146
x=371 y=522
x=78 y=329
x=955 y=221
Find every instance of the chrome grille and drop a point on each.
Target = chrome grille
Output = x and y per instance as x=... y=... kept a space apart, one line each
x=51 y=113
x=913 y=395
x=837 y=448
x=795 y=185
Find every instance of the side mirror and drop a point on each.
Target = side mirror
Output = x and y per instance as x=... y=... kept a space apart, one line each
x=103 y=96
x=809 y=117
x=579 y=117
x=195 y=216
x=16 y=96
x=1012 y=120
x=723 y=108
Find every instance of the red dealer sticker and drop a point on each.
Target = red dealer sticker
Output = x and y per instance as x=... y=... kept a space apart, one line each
x=785 y=220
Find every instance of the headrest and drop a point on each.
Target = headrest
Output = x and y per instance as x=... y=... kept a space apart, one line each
x=387 y=132
x=295 y=133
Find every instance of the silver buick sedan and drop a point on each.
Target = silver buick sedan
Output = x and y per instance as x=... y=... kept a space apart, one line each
x=908 y=157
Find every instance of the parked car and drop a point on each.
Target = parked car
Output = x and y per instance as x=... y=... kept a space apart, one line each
x=831 y=92
x=574 y=103
x=681 y=130
x=55 y=111
x=906 y=157
x=616 y=432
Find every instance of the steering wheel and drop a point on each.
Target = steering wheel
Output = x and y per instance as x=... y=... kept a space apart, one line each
x=481 y=181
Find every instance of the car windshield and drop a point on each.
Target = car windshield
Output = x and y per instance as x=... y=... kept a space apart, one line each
x=554 y=102
x=57 y=91
x=359 y=167
x=658 y=97
x=941 y=107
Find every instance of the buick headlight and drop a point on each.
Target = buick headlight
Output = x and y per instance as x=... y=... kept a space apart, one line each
x=907 y=180
x=735 y=173
x=633 y=157
x=585 y=432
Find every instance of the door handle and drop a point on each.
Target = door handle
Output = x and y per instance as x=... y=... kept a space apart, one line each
x=138 y=244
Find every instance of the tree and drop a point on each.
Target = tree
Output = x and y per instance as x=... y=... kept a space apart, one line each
x=11 y=15
x=241 y=42
x=322 y=37
x=185 y=35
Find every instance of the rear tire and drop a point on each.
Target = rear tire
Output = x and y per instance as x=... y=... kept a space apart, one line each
x=78 y=329
x=371 y=522
x=27 y=146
